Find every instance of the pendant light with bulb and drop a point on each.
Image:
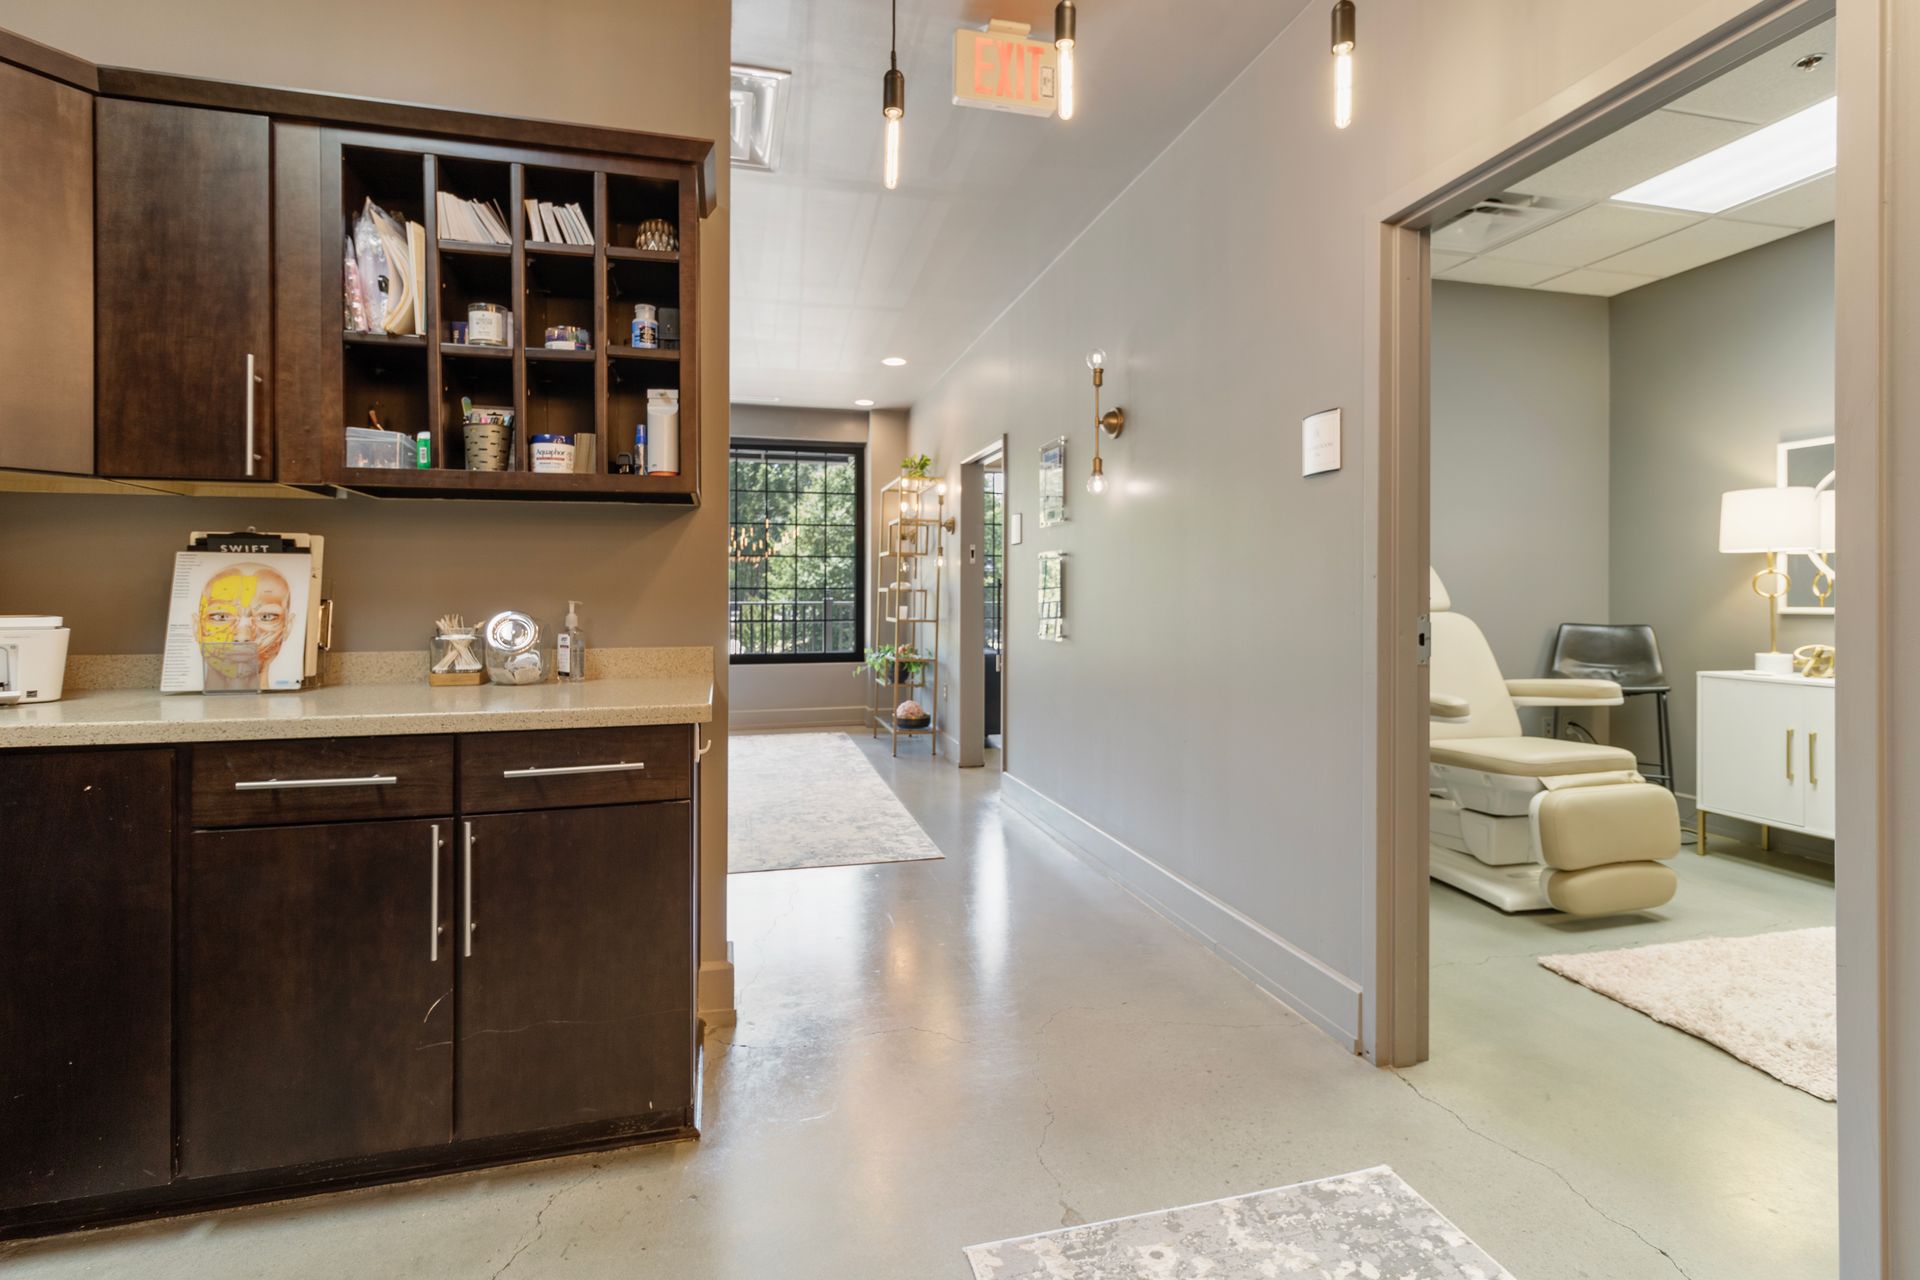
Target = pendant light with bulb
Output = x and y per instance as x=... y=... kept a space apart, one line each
x=1063 y=37
x=893 y=103
x=1343 y=28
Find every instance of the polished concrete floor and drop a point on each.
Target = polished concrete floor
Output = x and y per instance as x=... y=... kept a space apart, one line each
x=936 y=1054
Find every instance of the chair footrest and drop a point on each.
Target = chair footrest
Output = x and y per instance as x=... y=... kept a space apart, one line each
x=1583 y=827
x=1612 y=889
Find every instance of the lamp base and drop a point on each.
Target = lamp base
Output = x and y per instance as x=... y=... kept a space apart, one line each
x=1773 y=664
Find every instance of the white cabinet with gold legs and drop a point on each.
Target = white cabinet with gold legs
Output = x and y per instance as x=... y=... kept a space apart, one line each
x=1766 y=752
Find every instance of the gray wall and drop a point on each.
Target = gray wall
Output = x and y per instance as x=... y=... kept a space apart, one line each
x=1519 y=445
x=646 y=576
x=1711 y=371
x=1210 y=710
x=801 y=694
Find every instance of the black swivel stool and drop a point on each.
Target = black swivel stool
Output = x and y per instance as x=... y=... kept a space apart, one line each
x=1630 y=657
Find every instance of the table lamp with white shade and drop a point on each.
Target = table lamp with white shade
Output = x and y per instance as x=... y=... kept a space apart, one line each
x=1784 y=520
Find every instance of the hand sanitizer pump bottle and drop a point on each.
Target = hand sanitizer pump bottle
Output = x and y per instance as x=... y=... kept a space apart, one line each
x=570 y=662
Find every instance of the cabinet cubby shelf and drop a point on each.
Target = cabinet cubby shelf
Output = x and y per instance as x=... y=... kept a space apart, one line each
x=475 y=351
x=400 y=481
x=562 y=355
x=554 y=250
x=356 y=339
x=643 y=353
x=475 y=249
x=618 y=254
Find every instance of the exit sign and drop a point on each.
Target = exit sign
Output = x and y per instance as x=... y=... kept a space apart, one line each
x=1002 y=70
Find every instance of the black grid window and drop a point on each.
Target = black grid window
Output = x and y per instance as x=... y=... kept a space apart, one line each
x=794 y=579
x=994 y=570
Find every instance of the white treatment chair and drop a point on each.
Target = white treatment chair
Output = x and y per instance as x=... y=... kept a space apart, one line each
x=1535 y=823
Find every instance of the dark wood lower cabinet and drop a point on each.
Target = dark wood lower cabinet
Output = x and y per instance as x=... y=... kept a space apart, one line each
x=86 y=956
x=576 y=990
x=316 y=981
x=213 y=994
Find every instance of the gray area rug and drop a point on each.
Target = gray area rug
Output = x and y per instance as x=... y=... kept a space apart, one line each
x=1365 y=1224
x=812 y=800
x=1768 y=999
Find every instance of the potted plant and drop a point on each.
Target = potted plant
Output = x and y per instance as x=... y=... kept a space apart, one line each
x=916 y=467
x=895 y=666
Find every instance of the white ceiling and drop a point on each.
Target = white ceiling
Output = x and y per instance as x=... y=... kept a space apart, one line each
x=1594 y=246
x=831 y=271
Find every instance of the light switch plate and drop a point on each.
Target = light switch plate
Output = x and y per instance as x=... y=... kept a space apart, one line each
x=1016 y=529
x=1320 y=443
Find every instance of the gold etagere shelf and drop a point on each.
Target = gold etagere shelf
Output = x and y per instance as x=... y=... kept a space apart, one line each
x=909 y=558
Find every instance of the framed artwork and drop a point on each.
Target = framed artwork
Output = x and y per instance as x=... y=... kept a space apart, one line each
x=1053 y=595
x=1053 y=482
x=1809 y=463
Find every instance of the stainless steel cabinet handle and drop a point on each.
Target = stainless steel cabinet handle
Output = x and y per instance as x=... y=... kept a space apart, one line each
x=289 y=784
x=466 y=888
x=551 y=771
x=252 y=379
x=433 y=879
x=1813 y=759
x=1789 y=755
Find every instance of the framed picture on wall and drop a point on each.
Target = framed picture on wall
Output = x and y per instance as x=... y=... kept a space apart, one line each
x=1809 y=463
x=1053 y=482
x=1053 y=595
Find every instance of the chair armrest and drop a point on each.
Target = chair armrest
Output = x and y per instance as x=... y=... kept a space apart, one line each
x=1444 y=706
x=1554 y=692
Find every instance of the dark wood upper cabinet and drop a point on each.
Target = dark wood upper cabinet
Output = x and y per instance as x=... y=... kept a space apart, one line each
x=86 y=947
x=46 y=273
x=183 y=301
x=576 y=994
x=316 y=1015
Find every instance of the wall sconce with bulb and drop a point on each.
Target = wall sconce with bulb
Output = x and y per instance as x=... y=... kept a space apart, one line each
x=1111 y=423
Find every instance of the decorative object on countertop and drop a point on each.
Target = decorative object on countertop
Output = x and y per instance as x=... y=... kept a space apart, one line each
x=553 y=454
x=489 y=325
x=656 y=235
x=570 y=647
x=911 y=715
x=33 y=658
x=1770 y=522
x=1112 y=422
x=663 y=432
x=646 y=326
x=1814 y=661
x=569 y=337
x=916 y=466
x=454 y=653
x=487 y=431
x=513 y=649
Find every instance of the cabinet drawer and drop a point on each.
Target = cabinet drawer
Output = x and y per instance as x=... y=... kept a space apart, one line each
x=250 y=784
x=561 y=768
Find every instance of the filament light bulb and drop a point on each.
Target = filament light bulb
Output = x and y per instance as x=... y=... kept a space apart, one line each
x=1066 y=79
x=1343 y=87
x=893 y=152
x=1065 y=21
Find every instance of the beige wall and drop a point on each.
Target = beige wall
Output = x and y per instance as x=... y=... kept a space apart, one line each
x=646 y=576
x=1209 y=713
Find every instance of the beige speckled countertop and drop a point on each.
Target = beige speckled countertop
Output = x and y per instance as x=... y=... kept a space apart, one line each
x=675 y=690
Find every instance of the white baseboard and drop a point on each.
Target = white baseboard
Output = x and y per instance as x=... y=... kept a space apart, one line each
x=1325 y=997
x=797 y=718
x=716 y=990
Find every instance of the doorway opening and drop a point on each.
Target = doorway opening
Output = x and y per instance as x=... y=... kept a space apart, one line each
x=982 y=723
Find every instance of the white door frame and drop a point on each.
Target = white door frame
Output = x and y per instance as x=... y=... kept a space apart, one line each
x=1396 y=446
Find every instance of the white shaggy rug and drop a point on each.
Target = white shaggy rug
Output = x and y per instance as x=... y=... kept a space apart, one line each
x=1768 y=999
x=812 y=800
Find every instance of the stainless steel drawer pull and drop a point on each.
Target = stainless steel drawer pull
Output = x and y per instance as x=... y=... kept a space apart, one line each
x=290 y=784
x=466 y=888
x=433 y=880
x=554 y=771
x=253 y=380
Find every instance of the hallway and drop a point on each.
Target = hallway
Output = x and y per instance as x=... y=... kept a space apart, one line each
x=936 y=1054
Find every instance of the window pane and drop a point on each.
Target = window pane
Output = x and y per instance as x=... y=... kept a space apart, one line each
x=796 y=537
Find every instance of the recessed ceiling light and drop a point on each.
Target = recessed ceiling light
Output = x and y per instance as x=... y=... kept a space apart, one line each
x=863 y=404
x=1802 y=146
x=894 y=362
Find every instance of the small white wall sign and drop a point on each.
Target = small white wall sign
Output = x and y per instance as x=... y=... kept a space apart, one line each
x=1320 y=443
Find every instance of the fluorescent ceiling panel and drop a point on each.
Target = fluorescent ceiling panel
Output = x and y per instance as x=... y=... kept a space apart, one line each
x=1802 y=146
x=1650 y=145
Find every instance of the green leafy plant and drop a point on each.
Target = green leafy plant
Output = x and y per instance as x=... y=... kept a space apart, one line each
x=916 y=467
x=883 y=660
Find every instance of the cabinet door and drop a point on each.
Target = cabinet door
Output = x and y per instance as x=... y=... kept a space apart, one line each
x=46 y=274
x=1751 y=751
x=1817 y=726
x=315 y=976
x=86 y=950
x=576 y=985
x=183 y=292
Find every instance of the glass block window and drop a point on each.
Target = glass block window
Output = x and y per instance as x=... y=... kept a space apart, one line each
x=794 y=573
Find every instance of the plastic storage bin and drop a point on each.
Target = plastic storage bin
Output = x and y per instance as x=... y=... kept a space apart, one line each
x=371 y=447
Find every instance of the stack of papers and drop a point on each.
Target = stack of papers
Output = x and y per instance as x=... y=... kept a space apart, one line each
x=471 y=221
x=558 y=224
